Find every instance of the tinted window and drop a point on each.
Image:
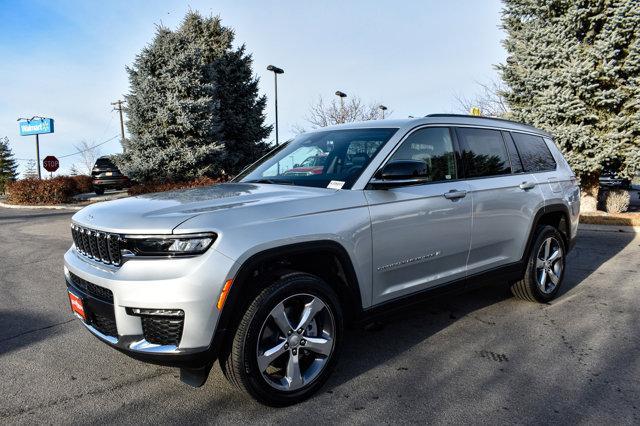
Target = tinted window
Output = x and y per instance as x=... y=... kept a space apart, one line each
x=104 y=162
x=337 y=155
x=483 y=152
x=516 y=164
x=534 y=152
x=434 y=146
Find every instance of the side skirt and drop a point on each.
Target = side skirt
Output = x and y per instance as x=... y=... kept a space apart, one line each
x=507 y=273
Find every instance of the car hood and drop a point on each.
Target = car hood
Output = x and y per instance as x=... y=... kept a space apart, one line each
x=160 y=213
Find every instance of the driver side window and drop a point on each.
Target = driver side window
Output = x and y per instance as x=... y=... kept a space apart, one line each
x=434 y=146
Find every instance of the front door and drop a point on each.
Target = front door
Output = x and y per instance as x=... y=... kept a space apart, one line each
x=421 y=233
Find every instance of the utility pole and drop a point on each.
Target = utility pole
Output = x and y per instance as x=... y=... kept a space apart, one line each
x=117 y=106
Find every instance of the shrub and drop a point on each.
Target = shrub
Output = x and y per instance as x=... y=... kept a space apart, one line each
x=145 y=188
x=83 y=183
x=617 y=201
x=46 y=191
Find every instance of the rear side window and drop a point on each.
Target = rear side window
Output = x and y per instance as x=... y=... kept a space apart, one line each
x=534 y=153
x=516 y=164
x=483 y=152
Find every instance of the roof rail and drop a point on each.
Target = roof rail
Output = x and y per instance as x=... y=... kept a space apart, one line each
x=485 y=118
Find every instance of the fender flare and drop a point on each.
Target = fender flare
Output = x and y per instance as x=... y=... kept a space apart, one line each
x=550 y=208
x=242 y=281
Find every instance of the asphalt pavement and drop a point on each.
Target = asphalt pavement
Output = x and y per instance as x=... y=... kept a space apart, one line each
x=481 y=357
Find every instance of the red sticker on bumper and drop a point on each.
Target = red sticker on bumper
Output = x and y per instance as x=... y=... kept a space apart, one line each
x=76 y=306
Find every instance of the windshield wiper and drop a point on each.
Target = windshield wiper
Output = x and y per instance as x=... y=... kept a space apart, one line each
x=274 y=181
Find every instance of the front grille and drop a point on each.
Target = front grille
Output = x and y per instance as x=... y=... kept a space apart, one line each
x=101 y=246
x=100 y=293
x=162 y=330
x=104 y=324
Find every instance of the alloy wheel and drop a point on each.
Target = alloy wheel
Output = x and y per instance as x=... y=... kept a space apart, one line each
x=295 y=342
x=549 y=265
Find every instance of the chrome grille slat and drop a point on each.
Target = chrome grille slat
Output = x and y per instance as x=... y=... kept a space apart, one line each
x=85 y=242
x=101 y=246
x=103 y=249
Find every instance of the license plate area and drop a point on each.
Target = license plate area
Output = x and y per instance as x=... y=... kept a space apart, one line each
x=77 y=306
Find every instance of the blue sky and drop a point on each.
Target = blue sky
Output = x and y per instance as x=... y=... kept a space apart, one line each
x=66 y=59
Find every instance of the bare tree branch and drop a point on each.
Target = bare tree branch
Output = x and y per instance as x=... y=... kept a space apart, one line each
x=88 y=156
x=490 y=100
x=322 y=114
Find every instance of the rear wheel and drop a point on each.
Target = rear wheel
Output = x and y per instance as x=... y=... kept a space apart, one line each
x=287 y=342
x=545 y=267
x=98 y=190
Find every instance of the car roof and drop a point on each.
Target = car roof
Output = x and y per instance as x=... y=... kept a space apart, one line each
x=448 y=119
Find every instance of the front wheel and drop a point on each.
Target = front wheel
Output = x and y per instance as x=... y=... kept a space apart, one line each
x=545 y=267
x=287 y=342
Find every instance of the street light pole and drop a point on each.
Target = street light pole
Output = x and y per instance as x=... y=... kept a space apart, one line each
x=341 y=95
x=383 y=109
x=276 y=71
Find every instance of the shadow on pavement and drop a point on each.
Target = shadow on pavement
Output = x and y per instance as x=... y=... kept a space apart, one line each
x=20 y=329
x=35 y=215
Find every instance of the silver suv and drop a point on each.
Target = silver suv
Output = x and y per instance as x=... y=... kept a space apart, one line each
x=263 y=273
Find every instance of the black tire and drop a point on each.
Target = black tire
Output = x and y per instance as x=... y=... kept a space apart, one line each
x=239 y=361
x=98 y=190
x=529 y=287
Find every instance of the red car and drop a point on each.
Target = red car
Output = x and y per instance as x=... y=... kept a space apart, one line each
x=311 y=166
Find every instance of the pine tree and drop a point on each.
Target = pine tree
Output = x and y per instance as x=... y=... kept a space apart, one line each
x=8 y=165
x=573 y=69
x=193 y=107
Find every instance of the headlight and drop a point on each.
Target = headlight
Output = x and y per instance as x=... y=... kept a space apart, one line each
x=167 y=246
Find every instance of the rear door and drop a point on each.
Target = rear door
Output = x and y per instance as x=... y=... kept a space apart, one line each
x=538 y=160
x=420 y=233
x=505 y=198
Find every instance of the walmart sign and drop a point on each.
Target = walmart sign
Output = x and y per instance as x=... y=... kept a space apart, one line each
x=36 y=127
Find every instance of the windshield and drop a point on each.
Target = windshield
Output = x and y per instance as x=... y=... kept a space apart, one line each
x=319 y=158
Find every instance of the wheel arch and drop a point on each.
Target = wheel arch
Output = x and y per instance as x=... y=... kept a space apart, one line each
x=556 y=215
x=325 y=258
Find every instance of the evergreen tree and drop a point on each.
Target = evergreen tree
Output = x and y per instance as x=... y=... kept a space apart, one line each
x=573 y=69
x=8 y=165
x=193 y=107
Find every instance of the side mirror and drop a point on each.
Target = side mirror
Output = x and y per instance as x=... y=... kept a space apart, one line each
x=295 y=166
x=401 y=172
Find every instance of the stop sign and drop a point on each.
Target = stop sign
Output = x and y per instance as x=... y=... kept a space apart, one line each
x=50 y=163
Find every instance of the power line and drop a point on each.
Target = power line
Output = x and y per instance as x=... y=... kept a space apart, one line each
x=77 y=152
x=90 y=148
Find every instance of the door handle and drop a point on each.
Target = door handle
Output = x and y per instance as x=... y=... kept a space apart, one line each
x=527 y=185
x=454 y=195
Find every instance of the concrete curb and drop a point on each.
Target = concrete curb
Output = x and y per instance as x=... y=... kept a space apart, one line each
x=56 y=207
x=609 y=228
x=92 y=198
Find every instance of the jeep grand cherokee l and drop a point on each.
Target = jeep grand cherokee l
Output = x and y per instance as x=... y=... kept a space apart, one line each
x=263 y=273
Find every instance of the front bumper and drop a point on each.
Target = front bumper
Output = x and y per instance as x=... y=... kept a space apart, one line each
x=192 y=285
